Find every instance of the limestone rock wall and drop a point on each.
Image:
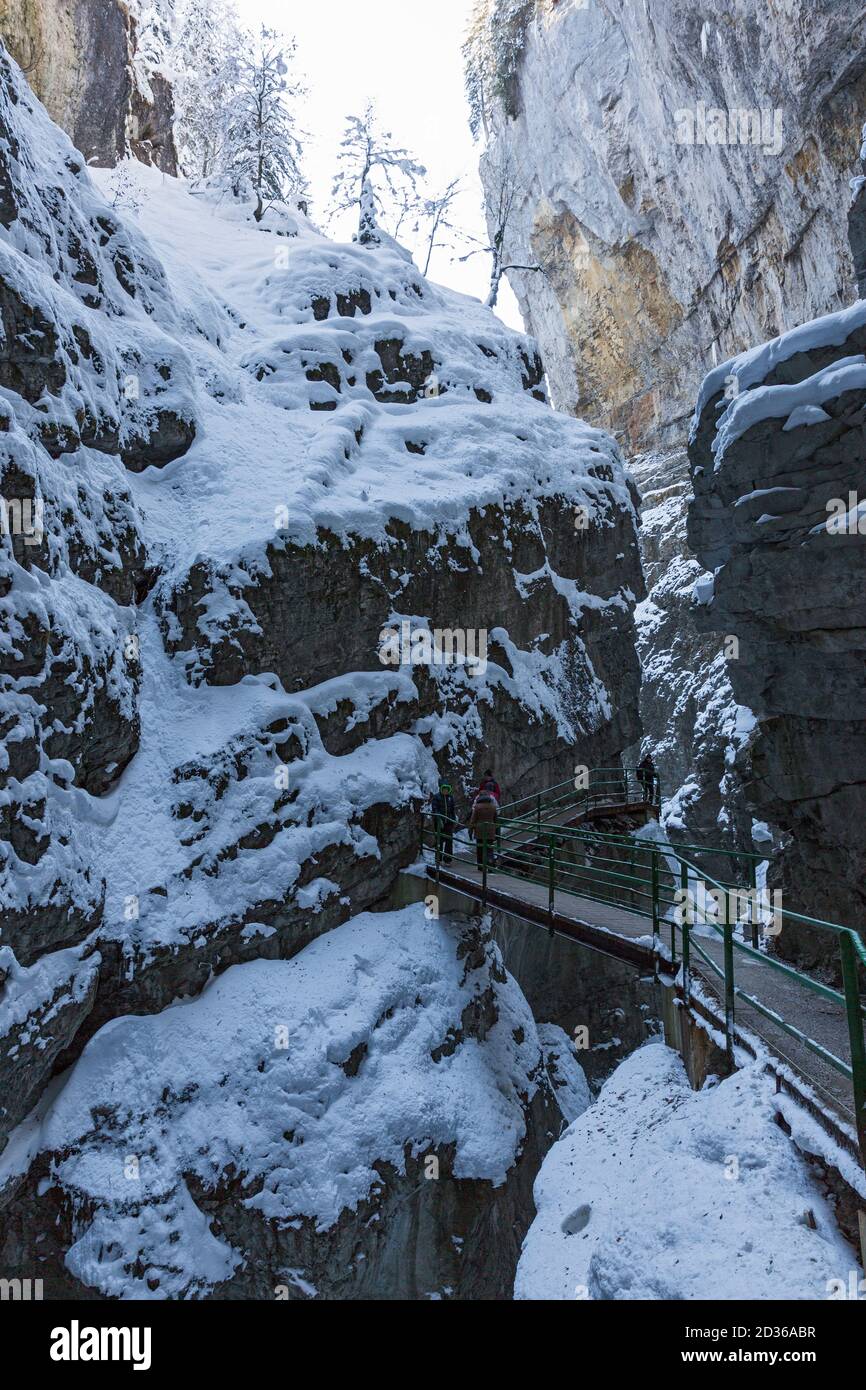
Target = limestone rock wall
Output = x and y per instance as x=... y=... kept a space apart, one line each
x=81 y=59
x=661 y=257
x=698 y=735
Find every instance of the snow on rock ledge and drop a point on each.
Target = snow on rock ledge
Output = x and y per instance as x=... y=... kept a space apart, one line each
x=367 y=1116
x=252 y=450
x=661 y=1192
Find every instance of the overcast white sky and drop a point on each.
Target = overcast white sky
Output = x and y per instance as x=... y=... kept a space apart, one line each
x=406 y=56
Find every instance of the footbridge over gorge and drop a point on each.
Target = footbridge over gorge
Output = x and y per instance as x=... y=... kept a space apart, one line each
x=590 y=864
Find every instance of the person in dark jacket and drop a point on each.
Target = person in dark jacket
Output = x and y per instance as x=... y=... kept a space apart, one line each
x=646 y=773
x=490 y=785
x=444 y=820
x=482 y=826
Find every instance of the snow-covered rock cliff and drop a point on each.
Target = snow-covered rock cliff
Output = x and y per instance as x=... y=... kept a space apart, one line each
x=777 y=460
x=683 y=183
x=287 y=530
x=698 y=735
x=363 y=1121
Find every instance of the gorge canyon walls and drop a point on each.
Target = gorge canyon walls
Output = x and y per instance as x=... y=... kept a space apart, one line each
x=229 y=482
x=681 y=183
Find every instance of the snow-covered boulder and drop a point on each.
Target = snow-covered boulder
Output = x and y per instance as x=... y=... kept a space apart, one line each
x=661 y=1192
x=364 y=1120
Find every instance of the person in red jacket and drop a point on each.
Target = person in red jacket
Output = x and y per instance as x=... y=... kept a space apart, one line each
x=490 y=784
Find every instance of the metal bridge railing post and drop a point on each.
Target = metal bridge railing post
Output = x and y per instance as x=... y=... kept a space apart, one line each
x=855 y=1035
x=753 y=903
x=655 y=892
x=684 y=884
x=538 y=812
x=484 y=872
x=673 y=937
x=551 y=879
x=729 y=989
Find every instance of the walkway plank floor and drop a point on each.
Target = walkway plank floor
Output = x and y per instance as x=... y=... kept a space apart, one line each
x=822 y=1019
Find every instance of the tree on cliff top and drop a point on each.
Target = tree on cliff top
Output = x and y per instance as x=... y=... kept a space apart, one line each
x=263 y=143
x=203 y=60
x=374 y=174
x=491 y=53
x=233 y=96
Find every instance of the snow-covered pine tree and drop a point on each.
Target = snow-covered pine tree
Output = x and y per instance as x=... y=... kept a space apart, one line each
x=373 y=175
x=263 y=144
x=491 y=53
x=204 y=63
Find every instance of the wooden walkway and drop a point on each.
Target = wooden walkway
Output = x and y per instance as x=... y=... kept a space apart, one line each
x=628 y=936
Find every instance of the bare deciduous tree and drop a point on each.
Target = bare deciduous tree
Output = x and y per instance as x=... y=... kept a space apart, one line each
x=436 y=213
x=504 y=188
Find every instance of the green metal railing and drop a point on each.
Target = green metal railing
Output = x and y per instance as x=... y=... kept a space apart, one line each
x=589 y=789
x=663 y=883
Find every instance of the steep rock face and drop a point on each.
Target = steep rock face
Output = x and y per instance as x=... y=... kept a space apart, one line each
x=580 y=994
x=94 y=64
x=227 y=496
x=857 y=237
x=777 y=461
x=697 y=734
x=78 y=295
x=669 y=234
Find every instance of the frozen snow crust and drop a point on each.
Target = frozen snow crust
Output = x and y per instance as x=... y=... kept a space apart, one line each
x=293 y=1094
x=661 y=1192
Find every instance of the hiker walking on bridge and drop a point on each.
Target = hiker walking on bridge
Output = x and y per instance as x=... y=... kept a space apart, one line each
x=444 y=820
x=483 y=827
x=490 y=785
x=646 y=774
